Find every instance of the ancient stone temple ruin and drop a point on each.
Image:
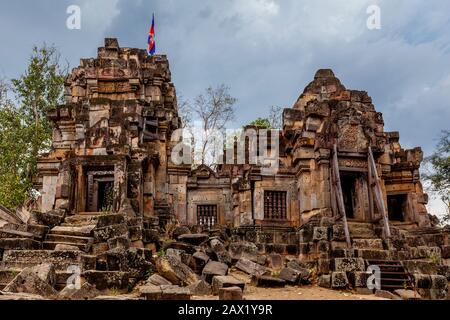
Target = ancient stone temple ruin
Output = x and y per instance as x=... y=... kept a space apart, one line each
x=345 y=194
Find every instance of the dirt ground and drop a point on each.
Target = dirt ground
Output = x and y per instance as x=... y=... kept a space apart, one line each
x=310 y=292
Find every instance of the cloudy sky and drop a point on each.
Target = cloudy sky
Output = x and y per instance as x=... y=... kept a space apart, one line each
x=265 y=50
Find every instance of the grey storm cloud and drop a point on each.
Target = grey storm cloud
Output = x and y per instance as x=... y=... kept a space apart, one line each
x=265 y=50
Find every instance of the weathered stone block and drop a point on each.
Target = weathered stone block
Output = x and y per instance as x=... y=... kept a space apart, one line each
x=323 y=246
x=246 y=250
x=320 y=233
x=112 y=231
x=194 y=239
x=231 y=293
x=157 y=280
x=358 y=279
x=268 y=282
x=214 y=268
x=175 y=293
x=325 y=281
x=349 y=264
x=107 y=279
x=150 y=292
x=339 y=280
x=28 y=281
x=200 y=288
x=224 y=282
x=105 y=220
x=374 y=244
x=407 y=294
x=290 y=275
x=251 y=268
x=85 y=292
x=323 y=266
x=151 y=235
x=275 y=261
x=198 y=261
x=338 y=233
x=175 y=271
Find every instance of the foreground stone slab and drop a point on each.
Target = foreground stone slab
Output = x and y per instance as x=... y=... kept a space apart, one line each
x=150 y=292
x=20 y=296
x=290 y=275
x=157 y=280
x=175 y=271
x=325 y=281
x=200 y=288
x=386 y=294
x=19 y=244
x=407 y=294
x=107 y=279
x=349 y=264
x=199 y=261
x=214 y=268
x=175 y=293
x=15 y=234
x=194 y=239
x=268 y=282
x=231 y=293
x=247 y=250
x=29 y=282
x=251 y=267
x=225 y=282
x=85 y=292
x=339 y=280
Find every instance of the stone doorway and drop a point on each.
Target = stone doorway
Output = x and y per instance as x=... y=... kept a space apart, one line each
x=100 y=191
x=348 y=184
x=397 y=205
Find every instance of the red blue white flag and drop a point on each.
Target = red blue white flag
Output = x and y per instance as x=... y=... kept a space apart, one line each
x=151 y=38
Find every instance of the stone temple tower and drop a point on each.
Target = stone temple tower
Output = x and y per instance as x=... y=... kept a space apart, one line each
x=110 y=138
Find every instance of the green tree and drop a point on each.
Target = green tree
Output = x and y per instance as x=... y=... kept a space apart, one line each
x=261 y=123
x=25 y=131
x=439 y=177
x=13 y=148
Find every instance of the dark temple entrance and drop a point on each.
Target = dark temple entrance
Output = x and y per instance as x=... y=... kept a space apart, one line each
x=397 y=207
x=100 y=190
x=348 y=182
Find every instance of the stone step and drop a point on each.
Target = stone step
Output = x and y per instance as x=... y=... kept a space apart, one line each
x=78 y=219
x=361 y=230
x=62 y=238
x=82 y=231
x=19 y=244
x=50 y=245
x=90 y=213
x=24 y=258
x=15 y=234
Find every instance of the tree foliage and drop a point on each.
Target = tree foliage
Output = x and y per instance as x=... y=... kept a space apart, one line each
x=25 y=131
x=263 y=123
x=439 y=178
x=273 y=121
x=207 y=116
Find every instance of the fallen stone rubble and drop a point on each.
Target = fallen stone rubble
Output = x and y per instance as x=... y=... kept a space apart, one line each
x=179 y=266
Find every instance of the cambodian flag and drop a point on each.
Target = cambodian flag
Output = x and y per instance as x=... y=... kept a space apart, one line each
x=151 y=38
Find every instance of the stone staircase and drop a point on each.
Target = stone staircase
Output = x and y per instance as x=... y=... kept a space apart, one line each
x=14 y=261
x=163 y=212
x=74 y=231
x=393 y=274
